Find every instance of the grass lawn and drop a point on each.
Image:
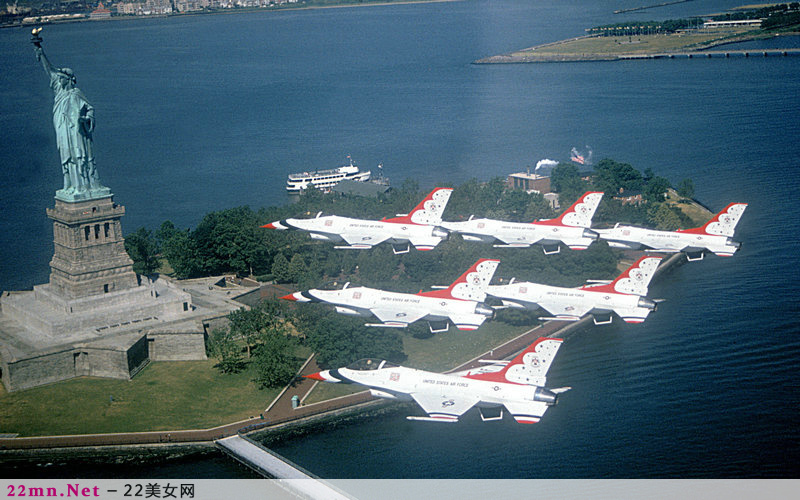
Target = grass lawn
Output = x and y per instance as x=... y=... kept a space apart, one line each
x=445 y=351
x=324 y=391
x=697 y=213
x=614 y=45
x=164 y=396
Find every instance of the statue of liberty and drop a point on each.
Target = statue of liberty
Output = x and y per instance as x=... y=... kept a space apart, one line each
x=73 y=119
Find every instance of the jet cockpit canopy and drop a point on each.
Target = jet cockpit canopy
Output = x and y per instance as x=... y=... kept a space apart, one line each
x=368 y=364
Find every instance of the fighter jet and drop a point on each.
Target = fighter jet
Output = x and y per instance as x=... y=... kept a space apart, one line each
x=715 y=236
x=461 y=303
x=624 y=296
x=571 y=228
x=518 y=385
x=419 y=228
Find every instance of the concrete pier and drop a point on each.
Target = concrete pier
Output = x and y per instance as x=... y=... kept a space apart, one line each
x=273 y=466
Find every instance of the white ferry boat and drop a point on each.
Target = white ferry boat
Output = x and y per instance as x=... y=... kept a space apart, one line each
x=325 y=179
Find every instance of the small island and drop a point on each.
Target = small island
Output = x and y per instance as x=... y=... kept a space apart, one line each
x=671 y=38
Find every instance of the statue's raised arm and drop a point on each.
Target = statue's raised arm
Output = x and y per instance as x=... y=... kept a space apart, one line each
x=36 y=40
x=73 y=119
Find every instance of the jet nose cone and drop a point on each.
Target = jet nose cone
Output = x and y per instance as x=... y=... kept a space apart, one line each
x=289 y=297
x=324 y=376
x=278 y=224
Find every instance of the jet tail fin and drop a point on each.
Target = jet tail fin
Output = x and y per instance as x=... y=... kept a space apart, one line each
x=722 y=224
x=528 y=367
x=429 y=210
x=472 y=284
x=635 y=279
x=580 y=213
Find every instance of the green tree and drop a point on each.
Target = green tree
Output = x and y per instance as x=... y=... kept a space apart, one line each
x=339 y=340
x=518 y=317
x=611 y=176
x=476 y=198
x=648 y=174
x=280 y=269
x=179 y=250
x=612 y=211
x=274 y=361
x=686 y=188
x=231 y=240
x=223 y=347
x=538 y=208
x=656 y=189
x=662 y=216
x=252 y=325
x=166 y=232
x=566 y=181
x=143 y=250
x=297 y=268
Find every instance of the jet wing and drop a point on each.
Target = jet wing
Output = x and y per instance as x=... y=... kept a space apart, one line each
x=425 y=243
x=484 y=238
x=633 y=315
x=441 y=407
x=359 y=239
x=397 y=315
x=528 y=412
x=565 y=309
x=467 y=321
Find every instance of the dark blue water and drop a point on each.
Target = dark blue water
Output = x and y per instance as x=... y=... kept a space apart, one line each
x=209 y=112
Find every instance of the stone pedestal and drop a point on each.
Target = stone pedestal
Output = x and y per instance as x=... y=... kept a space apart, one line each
x=95 y=315
x=90 y=257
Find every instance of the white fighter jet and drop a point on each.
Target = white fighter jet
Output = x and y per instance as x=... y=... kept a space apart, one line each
x=624 y=296
x=519 y=385
x=571 y=228
x=461 y=303
x=419 y=228
x=715 y=236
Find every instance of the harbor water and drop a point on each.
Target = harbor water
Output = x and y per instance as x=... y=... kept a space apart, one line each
x=202 y=113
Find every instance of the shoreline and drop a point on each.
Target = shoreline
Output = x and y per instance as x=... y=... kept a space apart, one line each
x=249 y=10
x=177 y=443
x=705 y=49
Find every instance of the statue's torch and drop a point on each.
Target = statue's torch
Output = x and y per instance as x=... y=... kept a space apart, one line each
x=35 y=38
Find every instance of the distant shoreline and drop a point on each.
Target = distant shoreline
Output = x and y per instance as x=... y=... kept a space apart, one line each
x=381 y=3
x=530 y=55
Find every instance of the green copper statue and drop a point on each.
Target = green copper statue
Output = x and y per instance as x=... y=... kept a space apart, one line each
x=73 y=119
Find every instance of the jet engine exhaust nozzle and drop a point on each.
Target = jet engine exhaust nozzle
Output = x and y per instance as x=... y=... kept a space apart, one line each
x=593 y=235
x=440 y=232
x=647 y=304
x=543 y=395
x=485 y=310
